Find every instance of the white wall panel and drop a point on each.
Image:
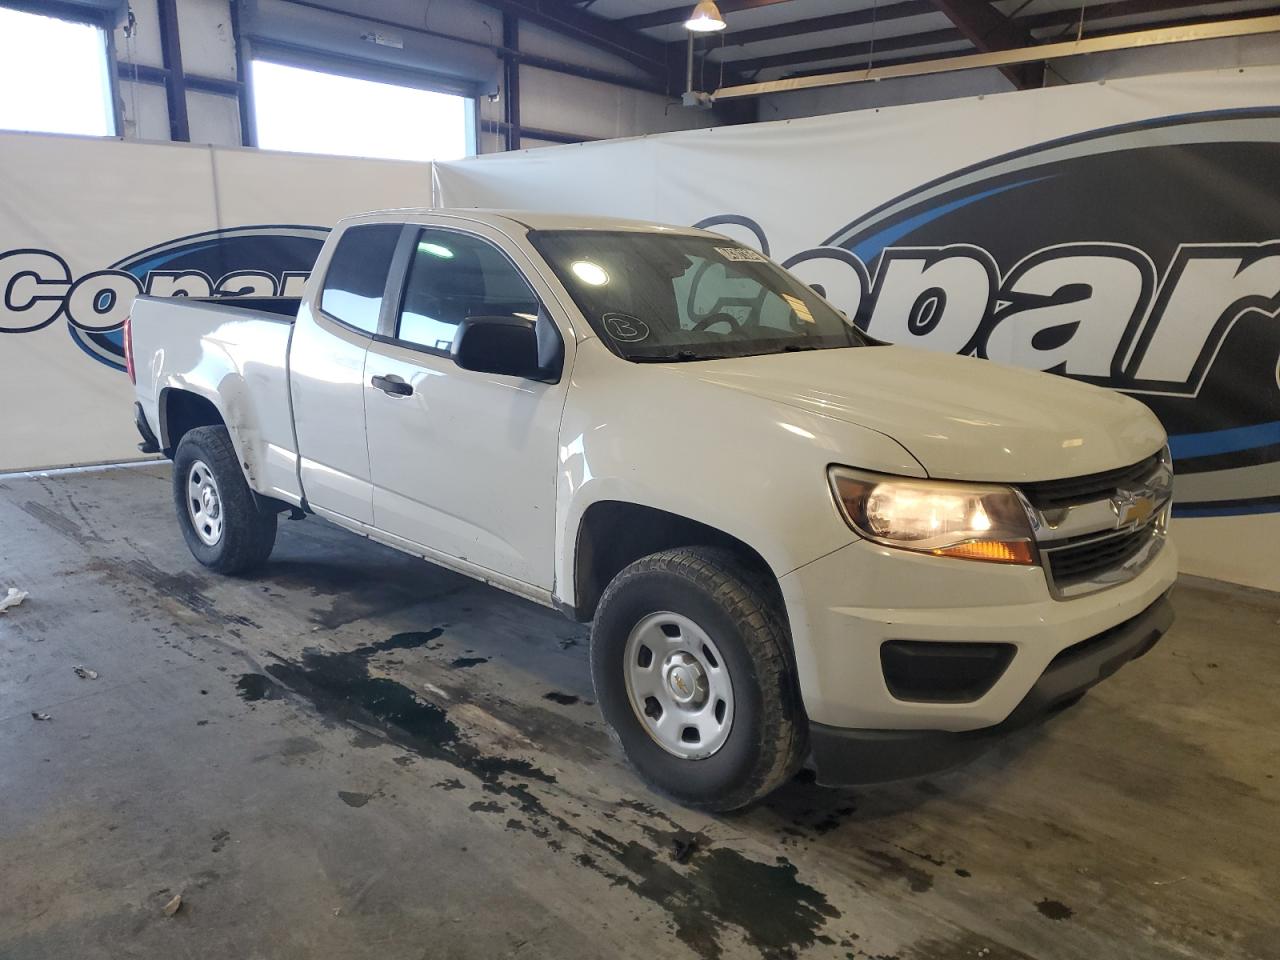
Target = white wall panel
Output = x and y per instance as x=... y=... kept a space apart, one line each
x=145 y=111
x=547 y=43
x=213 y=118
x=142 y=45
x=260 y=186
x=554 y=101
x=208 y=47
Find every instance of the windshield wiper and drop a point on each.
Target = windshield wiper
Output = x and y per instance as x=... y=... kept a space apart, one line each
x=676 y=356
x=797 y=347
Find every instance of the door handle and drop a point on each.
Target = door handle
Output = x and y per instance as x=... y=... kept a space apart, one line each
x=392 y=386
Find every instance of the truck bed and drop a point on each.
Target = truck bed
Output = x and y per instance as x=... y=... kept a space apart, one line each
x=233 y=352
x=274 y=308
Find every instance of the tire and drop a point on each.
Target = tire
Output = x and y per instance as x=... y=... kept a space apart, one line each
x=699 y=593
x=234 y=536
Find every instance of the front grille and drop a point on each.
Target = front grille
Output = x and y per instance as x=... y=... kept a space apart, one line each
x=1072 y=564
x=1052 y=494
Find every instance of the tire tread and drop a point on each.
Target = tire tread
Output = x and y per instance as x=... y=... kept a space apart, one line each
x=249 y=534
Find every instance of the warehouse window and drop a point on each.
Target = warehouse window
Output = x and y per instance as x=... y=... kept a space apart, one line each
x=53 y=76
x=308 y=111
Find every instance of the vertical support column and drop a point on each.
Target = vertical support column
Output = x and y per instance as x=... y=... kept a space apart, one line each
x=511 y=80
x=247 y=136
x=113 y=78
x=175 y=87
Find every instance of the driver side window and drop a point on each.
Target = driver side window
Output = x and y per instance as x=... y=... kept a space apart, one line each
x=453 y=276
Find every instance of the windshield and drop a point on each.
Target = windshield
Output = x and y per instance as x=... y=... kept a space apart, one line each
x=661 y=296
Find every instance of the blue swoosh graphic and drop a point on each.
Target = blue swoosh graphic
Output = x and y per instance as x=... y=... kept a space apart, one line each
x=140 y=270
x=870 y=248
x=1188 y=445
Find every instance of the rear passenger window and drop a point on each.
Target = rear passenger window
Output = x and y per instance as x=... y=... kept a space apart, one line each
x=358 y=274
x=452 y=276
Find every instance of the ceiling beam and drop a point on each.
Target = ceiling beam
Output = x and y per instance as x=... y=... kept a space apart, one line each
x=845 y=50
x=989 y=31
x=660 y=18
x=1103 y=11
x=1186 y=31
x=1054 y=18
x=835 y=21
x=1244 y=23
x=1117 y=8
x=876 y=64
x=644 y=52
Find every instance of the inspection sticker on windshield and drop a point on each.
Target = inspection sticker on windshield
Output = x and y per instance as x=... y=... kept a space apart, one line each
x=741 y=254
x=799 y=308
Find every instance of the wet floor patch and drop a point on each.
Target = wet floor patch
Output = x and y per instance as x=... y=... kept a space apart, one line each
x=1055 y=909
x=340 y=686
x=917 y=879
x=776 y=911
x=255 y=686
x=463 y=663
x=186 y=590
x=359 y=592
x=706 y=890
x=564 y=699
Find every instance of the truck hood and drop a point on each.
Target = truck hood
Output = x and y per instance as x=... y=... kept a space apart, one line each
x=962 y=418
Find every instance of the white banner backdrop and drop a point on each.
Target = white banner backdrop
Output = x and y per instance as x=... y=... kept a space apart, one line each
x=1126 y=234
x=86 y=223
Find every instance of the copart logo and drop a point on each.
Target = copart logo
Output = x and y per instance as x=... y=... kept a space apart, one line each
x=37 y=287
x=1144 y=257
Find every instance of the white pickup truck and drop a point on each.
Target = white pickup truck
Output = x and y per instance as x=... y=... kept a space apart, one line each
x=793 y=541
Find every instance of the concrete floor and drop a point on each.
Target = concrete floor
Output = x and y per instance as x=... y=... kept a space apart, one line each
x=361 y=755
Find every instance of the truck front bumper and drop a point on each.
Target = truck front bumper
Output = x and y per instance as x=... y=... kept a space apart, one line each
x=849 y=605
x=844 y=756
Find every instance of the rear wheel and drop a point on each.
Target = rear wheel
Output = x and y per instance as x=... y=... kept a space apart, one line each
x=690 y=666
x=222 y=524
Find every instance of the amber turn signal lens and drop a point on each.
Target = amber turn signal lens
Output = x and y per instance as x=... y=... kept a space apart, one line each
x=993 y=551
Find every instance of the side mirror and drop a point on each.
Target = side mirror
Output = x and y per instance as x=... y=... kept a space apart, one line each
x=511 y=346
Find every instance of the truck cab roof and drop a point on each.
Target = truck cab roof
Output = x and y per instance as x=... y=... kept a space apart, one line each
x=531 y=219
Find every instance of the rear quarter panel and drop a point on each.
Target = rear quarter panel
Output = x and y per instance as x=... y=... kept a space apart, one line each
x=234 y=358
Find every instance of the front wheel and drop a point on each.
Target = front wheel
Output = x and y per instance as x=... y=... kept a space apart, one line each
x=690 y=667
x=220 y=520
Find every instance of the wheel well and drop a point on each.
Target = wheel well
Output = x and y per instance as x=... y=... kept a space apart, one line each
x=180 y=411
x=614 y=534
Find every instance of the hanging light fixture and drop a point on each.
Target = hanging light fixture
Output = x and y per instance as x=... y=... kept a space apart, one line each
x=705 y=18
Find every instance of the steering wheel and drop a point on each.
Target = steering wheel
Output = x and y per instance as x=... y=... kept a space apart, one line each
x=714 y=318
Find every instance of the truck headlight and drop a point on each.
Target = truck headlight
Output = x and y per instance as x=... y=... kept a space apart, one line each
x=973 y=521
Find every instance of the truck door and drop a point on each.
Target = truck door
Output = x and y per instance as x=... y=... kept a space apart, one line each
x=326 y=371
x=462 y=463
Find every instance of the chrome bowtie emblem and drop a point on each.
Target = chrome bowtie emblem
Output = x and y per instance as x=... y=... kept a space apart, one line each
x=1132 y=507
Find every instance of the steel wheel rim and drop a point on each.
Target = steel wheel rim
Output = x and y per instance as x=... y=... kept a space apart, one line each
x=204 y=504
x=678 y=685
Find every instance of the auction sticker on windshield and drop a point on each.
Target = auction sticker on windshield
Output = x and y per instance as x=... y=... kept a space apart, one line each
x=741 y=254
